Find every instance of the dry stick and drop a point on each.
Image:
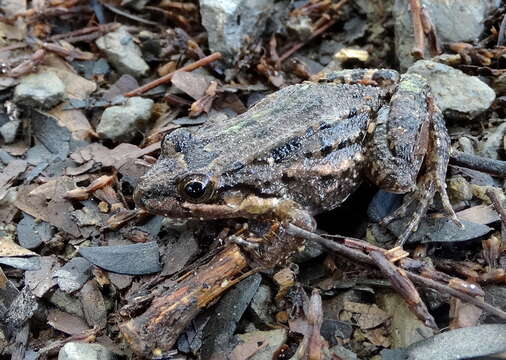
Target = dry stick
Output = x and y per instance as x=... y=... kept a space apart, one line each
x=364 y=258
x=487 y=165
x=166 y=78
x=86 y=31
x=404 y=287
x=497 y=205
x=419 y=45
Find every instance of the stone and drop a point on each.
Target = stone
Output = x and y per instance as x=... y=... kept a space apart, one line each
x=85 y=351
x=73 y=275
x=229 y=23
x=121 y=51
x=32 y=233
x=121 y=122
x=135 y=259
x=458 y=95
x=9 y=131
x=43 y=90
x=454 y=20
x=261 y=305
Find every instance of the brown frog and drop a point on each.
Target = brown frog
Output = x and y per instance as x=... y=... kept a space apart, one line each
x=304 y=149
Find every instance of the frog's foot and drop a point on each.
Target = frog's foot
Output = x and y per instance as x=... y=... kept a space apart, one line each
x=432 y=181
x=428 y=185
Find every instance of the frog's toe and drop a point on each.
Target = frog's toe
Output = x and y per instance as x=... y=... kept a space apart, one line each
x=428 y=185
x=447 y=206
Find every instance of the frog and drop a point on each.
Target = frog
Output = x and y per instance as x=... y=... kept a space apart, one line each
x=304 y=149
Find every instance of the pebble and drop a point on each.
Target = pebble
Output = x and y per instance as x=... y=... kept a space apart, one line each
x=122 y=52
x=73 y=275
x=458 y=95
x=85 y=351
x=9 y=131
x=121 y=122
x=32 y=233
x=43 y=90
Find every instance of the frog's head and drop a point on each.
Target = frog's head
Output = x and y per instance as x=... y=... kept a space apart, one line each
x=181 y=185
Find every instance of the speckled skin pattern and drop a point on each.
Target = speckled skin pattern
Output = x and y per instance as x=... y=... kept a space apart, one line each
x=304 y=149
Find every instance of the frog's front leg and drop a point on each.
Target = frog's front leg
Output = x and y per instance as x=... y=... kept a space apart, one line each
x=281 y=209
x=408 y=133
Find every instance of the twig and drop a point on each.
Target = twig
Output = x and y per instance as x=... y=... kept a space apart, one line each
x=404 y=288
x=297 y=46
x=418 y=48
x=487 y=165
x=126 y=14
x=88 y=33
x=317 y=33
x=364 y=258
x=498 y=206
x=166 y=78
x=423 y=281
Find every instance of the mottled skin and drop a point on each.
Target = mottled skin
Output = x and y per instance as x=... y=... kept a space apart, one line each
x=303 y=150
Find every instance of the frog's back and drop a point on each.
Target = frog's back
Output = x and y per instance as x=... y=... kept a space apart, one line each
x=282 y=124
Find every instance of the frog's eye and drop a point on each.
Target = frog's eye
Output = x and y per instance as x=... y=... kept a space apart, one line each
x=196 y=188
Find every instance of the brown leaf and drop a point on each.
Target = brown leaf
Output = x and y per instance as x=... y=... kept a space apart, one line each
x=190 y=83
x=47 y=202
x=64 y=322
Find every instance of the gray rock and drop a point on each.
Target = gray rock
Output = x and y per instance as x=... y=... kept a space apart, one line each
x=9 y=131
x=43 y=90
x=261 y=304
x=456 y=93
x=31 y=263
x=454 y=20
x=123 y=121
x=441 y=230
x=32 y=233
x=123 y=53
x=230 y=22
x=73 y=275
x=136 y=259
x=84 y=351
x=465 y=343
x=223 y=322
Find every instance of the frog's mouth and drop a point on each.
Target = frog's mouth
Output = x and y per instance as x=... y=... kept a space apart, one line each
x=155 y=201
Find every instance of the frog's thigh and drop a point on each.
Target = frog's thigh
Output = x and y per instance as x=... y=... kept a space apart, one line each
x=400 y=138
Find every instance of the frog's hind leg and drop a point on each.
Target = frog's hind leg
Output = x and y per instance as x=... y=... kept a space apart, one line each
x=432 y=180
x=374 y=77
x=409 y=133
